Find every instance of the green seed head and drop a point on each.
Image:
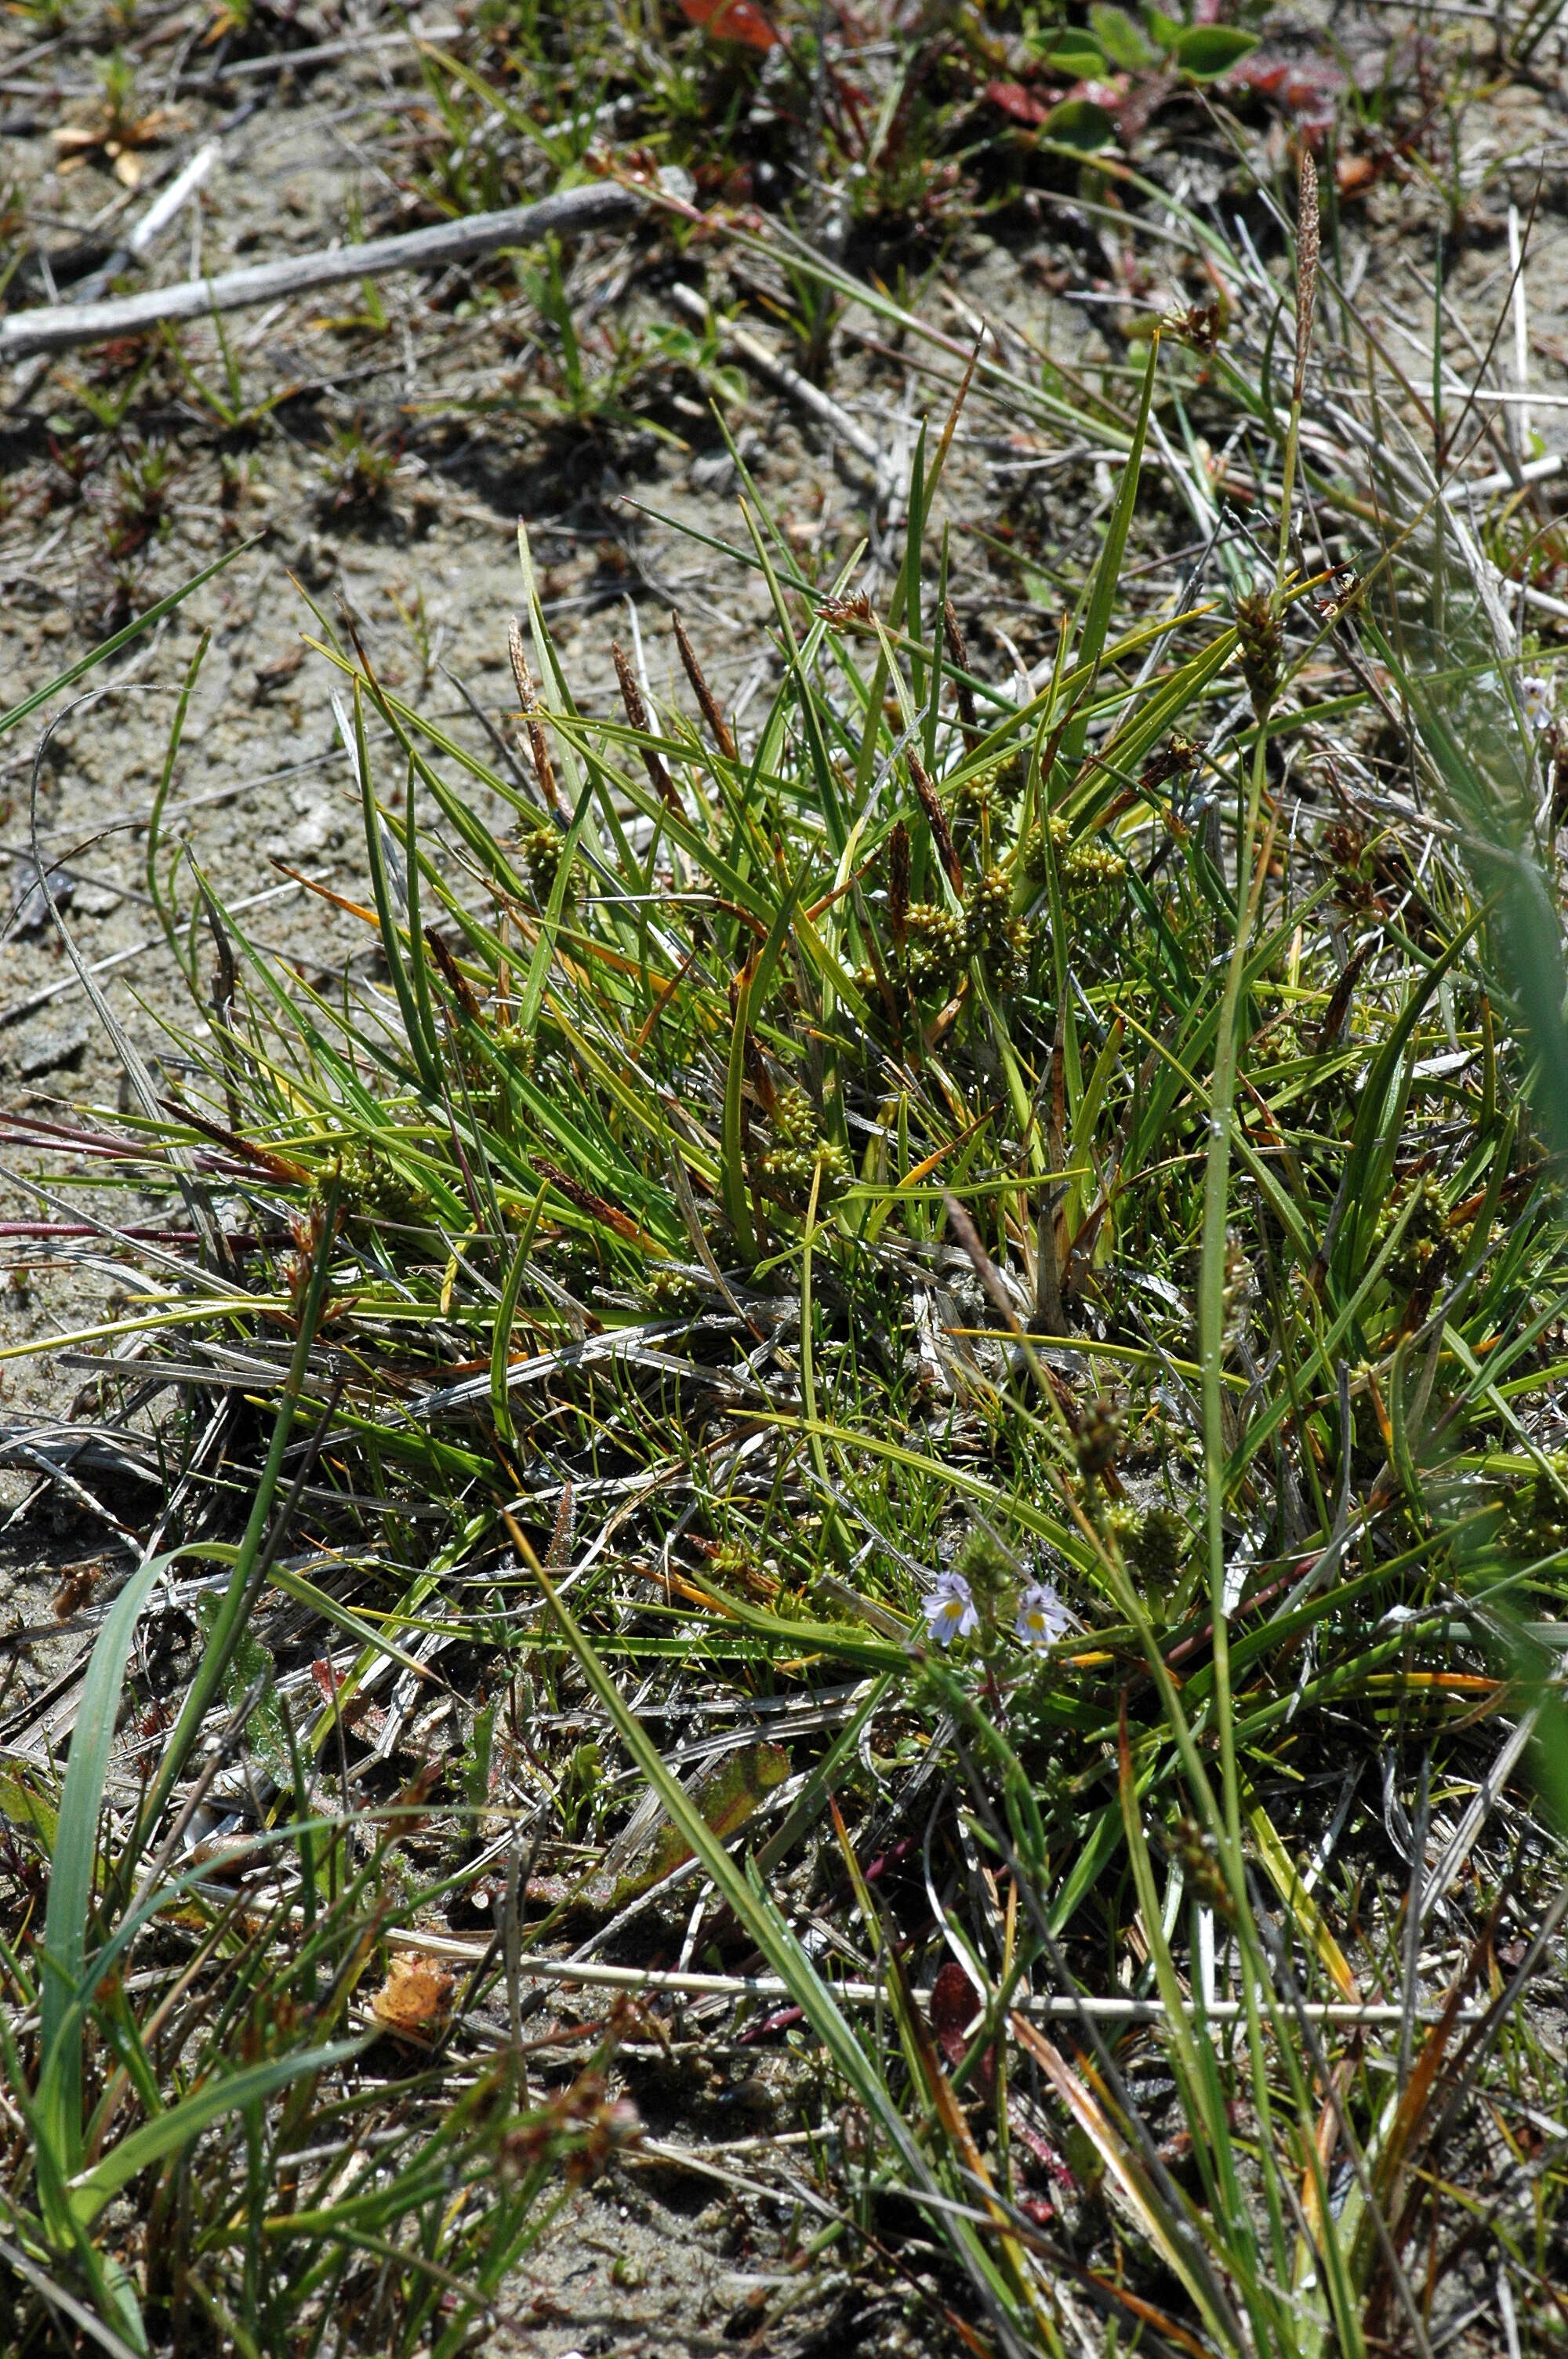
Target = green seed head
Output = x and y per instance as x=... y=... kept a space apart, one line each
x=1262 y=642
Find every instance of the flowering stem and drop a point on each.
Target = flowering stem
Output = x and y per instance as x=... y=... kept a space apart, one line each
x=1307 y=236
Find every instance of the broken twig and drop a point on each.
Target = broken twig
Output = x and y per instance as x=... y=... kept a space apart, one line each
x=822 y=406
x=65 y=325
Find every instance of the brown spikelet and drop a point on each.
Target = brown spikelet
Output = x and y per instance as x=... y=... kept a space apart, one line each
x=560 y=1549
x=898 y=882
x=1200 y=326
x=1172 y=760
x=942 y=834
x=528 y=705
x=659 y=778
x=587 y=1201
x=851 y=614
x=717 y=726
x=455 y=980
x=77 y=1587
x=958 y=656
x=1307 y=247
x=757 y=1072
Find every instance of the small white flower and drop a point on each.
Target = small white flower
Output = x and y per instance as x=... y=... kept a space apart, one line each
x=951 y=1610
x=1535 y=696
x=1042 y=1616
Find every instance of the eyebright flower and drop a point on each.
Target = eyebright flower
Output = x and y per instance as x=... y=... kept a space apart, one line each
x=1535 y=696
x=1042 y=1616
x=951 y=1610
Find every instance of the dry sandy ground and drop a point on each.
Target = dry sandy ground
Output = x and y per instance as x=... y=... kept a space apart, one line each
x=649 y=2262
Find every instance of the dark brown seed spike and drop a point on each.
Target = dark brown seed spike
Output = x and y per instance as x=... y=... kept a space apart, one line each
x=528 y=705
x=1338 y=1007
x=717 y=727
x=898 y=882
x=659 y=778
x=757 y=1072
x=587 y=1201
x=455 y=980
x=942 y=834
x=958 y=656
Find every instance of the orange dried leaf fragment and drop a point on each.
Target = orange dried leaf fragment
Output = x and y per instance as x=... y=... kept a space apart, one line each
x=415 y=2001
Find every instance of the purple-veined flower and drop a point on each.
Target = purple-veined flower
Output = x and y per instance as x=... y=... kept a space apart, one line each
x=950 y=1609
x=1042 y=1616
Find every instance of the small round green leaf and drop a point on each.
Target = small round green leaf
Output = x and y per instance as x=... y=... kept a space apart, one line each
x=1079 y=57
x=1121 y=39
x=1079 y=122
x=1204 y=50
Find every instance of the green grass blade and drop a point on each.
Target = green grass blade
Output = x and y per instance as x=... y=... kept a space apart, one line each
x=1107 y=570
x=16 y=714
x=72 y=1876
x=176 y=2129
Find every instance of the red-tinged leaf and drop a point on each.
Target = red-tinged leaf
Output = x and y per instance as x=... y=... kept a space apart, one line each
x=1022 y=106
x=1044 y=2154
x=732 y=20
x=954 y=2005
x=1147 y=95
x=1307 y=88
x=359 y=1711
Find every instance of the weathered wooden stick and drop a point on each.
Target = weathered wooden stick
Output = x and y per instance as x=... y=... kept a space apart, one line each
x=567 y=212
x=282 y=61
x=459 y=1949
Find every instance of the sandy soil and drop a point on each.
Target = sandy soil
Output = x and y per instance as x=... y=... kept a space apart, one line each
x=445 y=386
